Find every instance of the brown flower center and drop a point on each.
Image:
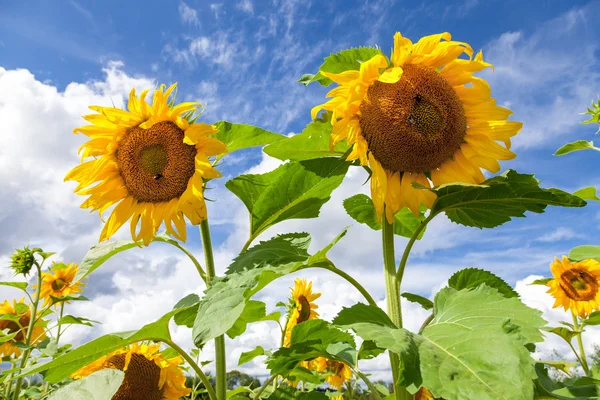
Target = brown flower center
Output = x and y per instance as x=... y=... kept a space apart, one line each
x=58 y=284
x=415 y=124
x=304 y=310
x=141 y=378
x=154 y=163
x=579 y=284
x=13 y=327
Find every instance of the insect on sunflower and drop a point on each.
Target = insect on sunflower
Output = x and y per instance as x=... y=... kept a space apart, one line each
x=420 y=117
x=149 y=161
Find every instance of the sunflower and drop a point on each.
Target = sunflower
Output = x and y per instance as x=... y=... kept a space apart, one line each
x=150 y=161
x=59 y=282
x=148 y=374
x=302 y=307
x=424 y=394
x=20 y=317
x=337 y=373
x=576 y=285
x=420 y=117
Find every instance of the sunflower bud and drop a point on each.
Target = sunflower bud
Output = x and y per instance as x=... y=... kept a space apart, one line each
x=22 y=261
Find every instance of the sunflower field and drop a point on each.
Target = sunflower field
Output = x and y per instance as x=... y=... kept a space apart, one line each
x=429 y=133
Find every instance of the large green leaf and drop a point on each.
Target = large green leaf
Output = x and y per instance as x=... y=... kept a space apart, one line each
x=360 y=207
x=294 y=190
x=61 y=367
x=578 y=389
x=313 y=142
x=498 y=200
x=576 y=146
x=345 y=60
x=101 y=385
x=311 y=339
x=585 y=252
x=587 y=193
x=248 y=356
x=225 y=301
x=100 y=253
x=474 y=348
x=255 y=311
x=18 y=285
x=469 y=278
x=372 y=323
x=242 y=136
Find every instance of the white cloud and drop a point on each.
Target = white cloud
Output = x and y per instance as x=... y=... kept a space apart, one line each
x=188 y=15
x=246 y=6
x=561 y=233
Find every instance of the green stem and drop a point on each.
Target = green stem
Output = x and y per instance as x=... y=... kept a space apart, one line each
x=584 y=363
x=392 y=289
x=409 y=246
x=366 y=380
x=194 y=260
x=195 y=367
x=264 y=386
x=62 y=309
x=351 y=280
x=32 y=320
x=425 y=323
x=221 y=367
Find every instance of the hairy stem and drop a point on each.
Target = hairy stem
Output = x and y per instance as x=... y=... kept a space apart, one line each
x=195 y=367
x=221 y=367
x=583 y=358
x=58 y=332
x=330 y=267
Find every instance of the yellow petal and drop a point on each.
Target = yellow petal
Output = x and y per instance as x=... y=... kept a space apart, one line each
x=392 y=75
x=392 y=196
x=343 y=78
x=369 y=70
x=402 y=48
x=117 y=218
x=211 y=146
x=196 y=132
x=378 y=185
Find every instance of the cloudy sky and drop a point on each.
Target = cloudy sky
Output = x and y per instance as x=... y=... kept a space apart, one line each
x=242 y=59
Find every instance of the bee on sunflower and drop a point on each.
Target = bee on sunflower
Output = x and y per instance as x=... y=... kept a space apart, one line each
x=15 y=320
x=419 y=117
x=148 y=374
x=150 y=162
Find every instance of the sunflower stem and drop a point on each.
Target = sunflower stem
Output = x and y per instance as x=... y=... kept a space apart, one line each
x=368 y=382
x=32 y=320
x=409 y=246
x=58 y=332
x=264 y=386
x=582 y=356
x=330 y=267
x=221 y=366
x=195 y=367
x=194 y=260
x=392 y=290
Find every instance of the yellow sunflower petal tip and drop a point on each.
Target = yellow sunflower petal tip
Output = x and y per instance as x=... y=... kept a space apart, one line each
x=425 y=115
x=143 y=165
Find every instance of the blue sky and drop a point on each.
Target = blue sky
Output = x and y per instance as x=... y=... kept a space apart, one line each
x=242 y=59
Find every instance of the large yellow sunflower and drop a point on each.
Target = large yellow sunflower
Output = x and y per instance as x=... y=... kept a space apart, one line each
x=148 y=374
x=59 y=282
x=19 y=324
x=302 y=307
x=149 y=161
x=420 y=117
x=576 y=285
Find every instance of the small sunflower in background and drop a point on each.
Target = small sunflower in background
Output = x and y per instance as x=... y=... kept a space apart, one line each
x=59 y=282
x=337 y=373
x=420 y=117
x=150 y=162
x=576 y=285
x=302 y=307
x=148 y=374
x=19 y=325
x=424 y=394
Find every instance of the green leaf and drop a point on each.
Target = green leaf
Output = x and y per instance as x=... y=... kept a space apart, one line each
x=187 y=317
x=18 y=285
x=576 y=146
x=242 y=136
x=474 y=348
x=542 y=281
x=311 y=339
x=101 y=385
x=312 y=143
x=360 y=208
x=339 y=62
x=248 y=356
x=372 y=323
x=368 y=350
x=294 y=190
x=592 y=319
x=63 y=366
x=56 y=300
x=415 y=298
x=498 y=200
x=69 y=319
x=254 y=311
x=564 y=366
x=586 y=252
x=100 y=253
x=587 y=193
x=224 y=302
x=469 y=278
